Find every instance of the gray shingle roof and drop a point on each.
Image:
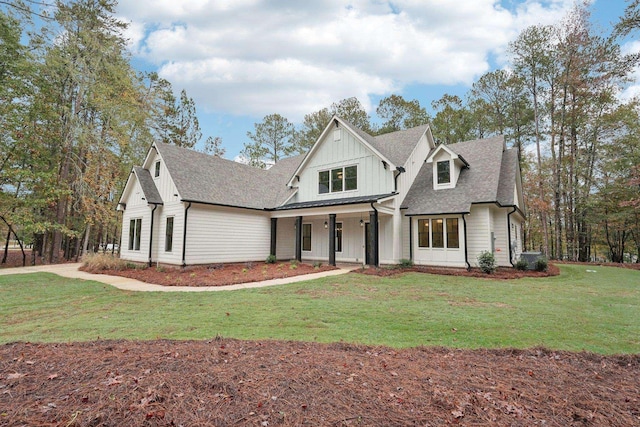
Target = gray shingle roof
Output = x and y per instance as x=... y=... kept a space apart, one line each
x=149 y=189
x=395 y=146
x=203 y=178
x=489 y=178
x=334 y=202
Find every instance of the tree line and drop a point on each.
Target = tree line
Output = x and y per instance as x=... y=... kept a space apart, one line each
x=75 y=116
x=558 y=102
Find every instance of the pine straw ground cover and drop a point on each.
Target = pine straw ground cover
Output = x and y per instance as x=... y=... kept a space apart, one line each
x=227 y=382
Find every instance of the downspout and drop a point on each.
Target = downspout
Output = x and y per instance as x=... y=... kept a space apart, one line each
x=400 y=170
x=515 y=208
x=153 y=211
x=466 y=254
x=184 y=236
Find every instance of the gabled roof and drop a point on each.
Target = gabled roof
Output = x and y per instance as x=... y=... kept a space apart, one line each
x=149 y=189
x=453 y=154
x=202 y=178
x=397 y=146
x=489 y=180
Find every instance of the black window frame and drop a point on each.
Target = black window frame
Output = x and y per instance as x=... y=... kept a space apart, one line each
x=453 y=231
x=306 y=238
x=437 y=233
x=135 y=230
x=338 y=237
x=338 y=180
x=168 y=234
x=424 y=229
x=156 y=172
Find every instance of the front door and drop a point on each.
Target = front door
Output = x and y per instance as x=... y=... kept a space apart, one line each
x=367 y=244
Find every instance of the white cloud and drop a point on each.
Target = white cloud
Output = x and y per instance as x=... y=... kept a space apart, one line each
x=255 y=57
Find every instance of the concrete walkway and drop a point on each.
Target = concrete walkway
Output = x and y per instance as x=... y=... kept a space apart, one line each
x=127 y=284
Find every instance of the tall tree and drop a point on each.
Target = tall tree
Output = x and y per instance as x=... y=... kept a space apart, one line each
x=272 y=140
x=400 y=114
x=213 y=146
x=452 y=122
x=187 y=126
x=352 y=111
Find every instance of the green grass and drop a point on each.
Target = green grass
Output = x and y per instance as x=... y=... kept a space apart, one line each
x=598 y=312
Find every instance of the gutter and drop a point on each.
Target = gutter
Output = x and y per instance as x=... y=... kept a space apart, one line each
x=184 y=235
x=376 y=260
x=466 y=255
x=515 y=208
x=153 y=211
x=400 y=170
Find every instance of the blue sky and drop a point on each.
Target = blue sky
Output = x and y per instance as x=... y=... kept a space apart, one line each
x=243 y=59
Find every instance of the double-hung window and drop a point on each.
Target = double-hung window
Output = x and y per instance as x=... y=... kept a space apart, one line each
x=338 y=179
x=338 y=237
x=135 y=229
x=168 y=235
x=444 y=172
x=306 y=237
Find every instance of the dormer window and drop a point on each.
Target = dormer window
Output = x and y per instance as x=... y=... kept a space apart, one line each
x=444 y=172
x=156 y=173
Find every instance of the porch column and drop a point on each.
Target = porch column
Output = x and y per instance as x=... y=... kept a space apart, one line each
x=274 y=235
x=397 y=235
x=299 y=238
x=332 y=239
x=373 y=238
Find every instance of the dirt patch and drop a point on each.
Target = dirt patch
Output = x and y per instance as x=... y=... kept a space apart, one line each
x=215 y=275
x=226 y=382
x=500 y=273
x=14 y=258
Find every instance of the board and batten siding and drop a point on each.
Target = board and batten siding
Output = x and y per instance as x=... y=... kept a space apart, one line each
x=373 y=178
x=219 y=234
x=164 y=183
x=412 y=166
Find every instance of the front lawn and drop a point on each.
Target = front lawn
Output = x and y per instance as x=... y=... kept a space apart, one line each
x=578 y=310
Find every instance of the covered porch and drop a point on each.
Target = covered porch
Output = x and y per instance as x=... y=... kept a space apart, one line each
x=352 y=231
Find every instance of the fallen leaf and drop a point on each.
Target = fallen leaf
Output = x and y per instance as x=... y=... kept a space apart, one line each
x=52 y=377
x=15 y=376
x=457 y=414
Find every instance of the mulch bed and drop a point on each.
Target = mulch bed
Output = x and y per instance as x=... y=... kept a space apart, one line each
x=500 y=273
x=227 y=382
x=215 y=275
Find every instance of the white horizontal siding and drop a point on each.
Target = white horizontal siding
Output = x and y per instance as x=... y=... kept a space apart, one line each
x=175 y=210
x=218 y=234
x=478 y=232
x=501 y=245
x=450 y=257
x=286 y=238
x=139 y=211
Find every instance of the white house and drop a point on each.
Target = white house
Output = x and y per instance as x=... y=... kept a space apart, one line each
x=352 y=198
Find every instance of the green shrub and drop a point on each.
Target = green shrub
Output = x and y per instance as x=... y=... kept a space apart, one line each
x=487 y=262
x=522 y=265
x=406 y=263
x=103 y=261
x=317 y=264
x=541 y=264
x=271 y=259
